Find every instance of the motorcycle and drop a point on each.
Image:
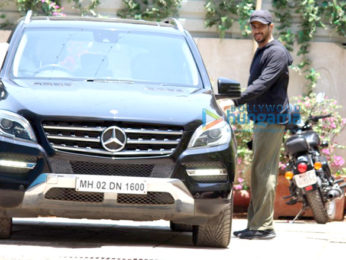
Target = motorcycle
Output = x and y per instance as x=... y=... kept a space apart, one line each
x=311 y=181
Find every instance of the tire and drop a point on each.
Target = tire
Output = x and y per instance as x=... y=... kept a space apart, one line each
x=217 y=231
x=5 y=227
x=180 y=227
x=317 y=206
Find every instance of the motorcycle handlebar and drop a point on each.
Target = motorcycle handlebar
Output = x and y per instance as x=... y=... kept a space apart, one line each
x=316 y=118
x=295 y=127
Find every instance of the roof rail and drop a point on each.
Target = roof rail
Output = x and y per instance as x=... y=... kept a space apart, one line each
x=28 y=17
x=175 y=22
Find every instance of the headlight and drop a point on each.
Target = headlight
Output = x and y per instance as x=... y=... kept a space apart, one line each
x=216 y=135
x=15 y=126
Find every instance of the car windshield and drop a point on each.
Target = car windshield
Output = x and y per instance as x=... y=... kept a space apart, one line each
x=105 y=55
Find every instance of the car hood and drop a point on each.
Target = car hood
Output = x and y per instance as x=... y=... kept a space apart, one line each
x=109 y=101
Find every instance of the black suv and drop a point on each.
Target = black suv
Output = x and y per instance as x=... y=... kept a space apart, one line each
x=114 y=119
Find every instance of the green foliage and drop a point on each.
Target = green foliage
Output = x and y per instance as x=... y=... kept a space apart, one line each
x=312 y=76
x=53 y=7
x=313 y=14
x=86 y=7
x=40 y=7
x=283 y=12
x=310 y=20
x=220 y=13
x=244 y=10
x=223 y=13
x=332 y=13
x=153 y=10
x=4 y=22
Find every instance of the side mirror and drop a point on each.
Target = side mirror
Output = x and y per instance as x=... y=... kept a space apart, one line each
x=228 y=88
x=3 y=93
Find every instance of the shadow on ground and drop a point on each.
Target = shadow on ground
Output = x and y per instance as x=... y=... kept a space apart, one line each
x=94 y=235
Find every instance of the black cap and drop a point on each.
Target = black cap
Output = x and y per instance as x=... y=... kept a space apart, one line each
x=262 y=16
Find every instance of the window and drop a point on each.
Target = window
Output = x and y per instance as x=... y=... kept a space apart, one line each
x=105 y=54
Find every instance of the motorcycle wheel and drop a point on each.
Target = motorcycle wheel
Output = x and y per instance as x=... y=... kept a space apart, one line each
x=317 y=206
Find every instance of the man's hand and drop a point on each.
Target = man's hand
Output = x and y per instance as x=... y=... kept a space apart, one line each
x=225 y=104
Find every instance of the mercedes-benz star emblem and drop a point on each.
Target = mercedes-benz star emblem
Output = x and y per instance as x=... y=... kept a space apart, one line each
x=113 y=139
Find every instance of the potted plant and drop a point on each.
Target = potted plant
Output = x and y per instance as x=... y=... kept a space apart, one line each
x=241 y=194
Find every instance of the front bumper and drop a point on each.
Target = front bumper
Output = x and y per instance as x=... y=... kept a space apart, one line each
x=15 y=182
x=182 y=207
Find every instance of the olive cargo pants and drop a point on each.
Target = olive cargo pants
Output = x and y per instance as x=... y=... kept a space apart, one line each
x=267 y=141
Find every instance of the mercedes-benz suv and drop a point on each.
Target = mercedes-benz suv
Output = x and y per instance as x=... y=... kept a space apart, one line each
x=114 y=119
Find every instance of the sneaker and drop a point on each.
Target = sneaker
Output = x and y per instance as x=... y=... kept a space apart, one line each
x=258 y=234
x=237 y=233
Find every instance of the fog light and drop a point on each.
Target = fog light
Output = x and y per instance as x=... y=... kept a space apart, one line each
x=317 y=165
x=289 y=175
x=207 y=175
x=17 y=164
x=206 y=172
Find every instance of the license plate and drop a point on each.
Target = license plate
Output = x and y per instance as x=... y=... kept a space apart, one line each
x=111 y=184
x=305 y=179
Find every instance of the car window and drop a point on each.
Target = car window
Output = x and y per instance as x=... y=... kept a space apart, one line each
x=105 y=54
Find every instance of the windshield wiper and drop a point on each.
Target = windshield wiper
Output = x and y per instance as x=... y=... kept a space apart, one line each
x=110 y=80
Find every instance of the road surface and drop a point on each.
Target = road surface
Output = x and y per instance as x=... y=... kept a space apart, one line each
x=58 y=238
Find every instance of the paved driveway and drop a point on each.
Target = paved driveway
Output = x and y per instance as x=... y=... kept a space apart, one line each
x=55 y=238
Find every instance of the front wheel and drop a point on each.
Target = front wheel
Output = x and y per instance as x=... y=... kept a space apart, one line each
x=317 y=206
x=217 y=231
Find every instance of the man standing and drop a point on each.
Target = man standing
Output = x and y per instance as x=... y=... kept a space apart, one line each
x=267 y=105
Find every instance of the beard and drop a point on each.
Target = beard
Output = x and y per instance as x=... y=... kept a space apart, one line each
x=261 y=40
x=262 y=37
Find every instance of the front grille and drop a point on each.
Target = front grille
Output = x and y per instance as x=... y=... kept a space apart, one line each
x=153 y=198
x=67 y=194
x=91 y=168
x=85 y=138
